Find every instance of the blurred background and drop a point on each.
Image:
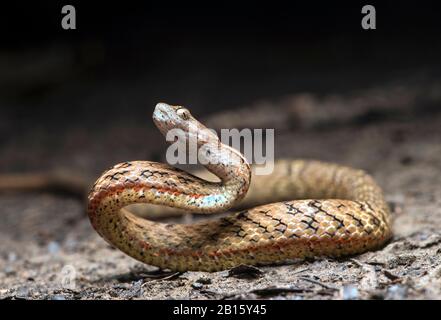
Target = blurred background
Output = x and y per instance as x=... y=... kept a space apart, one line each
x=79 y=101
x=60 y=89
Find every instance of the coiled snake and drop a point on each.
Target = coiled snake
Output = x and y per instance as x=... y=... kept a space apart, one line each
x=341 y=212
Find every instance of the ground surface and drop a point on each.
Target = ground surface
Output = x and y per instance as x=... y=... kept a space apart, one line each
x=50 y=251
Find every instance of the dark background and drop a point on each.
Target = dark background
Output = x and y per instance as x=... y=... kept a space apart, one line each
x=124 y=57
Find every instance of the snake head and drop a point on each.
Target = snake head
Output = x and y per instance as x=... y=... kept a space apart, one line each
x=167 y=117
x=178 y=126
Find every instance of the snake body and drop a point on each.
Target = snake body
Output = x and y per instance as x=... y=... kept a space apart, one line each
x=340 y=211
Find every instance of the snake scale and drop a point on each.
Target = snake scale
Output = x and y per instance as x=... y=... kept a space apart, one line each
x=340 y=210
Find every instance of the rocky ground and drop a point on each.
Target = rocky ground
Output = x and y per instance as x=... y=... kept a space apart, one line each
x=50 y=251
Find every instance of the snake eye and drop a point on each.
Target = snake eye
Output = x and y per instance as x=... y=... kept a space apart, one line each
x=183 y=113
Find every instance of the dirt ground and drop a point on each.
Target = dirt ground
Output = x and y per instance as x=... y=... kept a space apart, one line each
x=50 y=251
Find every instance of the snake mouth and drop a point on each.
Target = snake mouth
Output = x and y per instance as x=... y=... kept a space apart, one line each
x=160 y=112
x=162 y=116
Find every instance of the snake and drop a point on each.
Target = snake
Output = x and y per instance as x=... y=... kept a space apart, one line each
x=312 y=208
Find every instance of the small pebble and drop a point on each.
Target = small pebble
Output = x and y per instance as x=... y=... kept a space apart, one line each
x=58 y=297
x=12 y=256
x=245 y=272
x=349 y=292
x=22 y=293
x=197 y=285
x=9 y=271
x=71 y=244
x=204 y=280
x=53 y=247
x=397 y=292
x=137 y=287
x=422 y=236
